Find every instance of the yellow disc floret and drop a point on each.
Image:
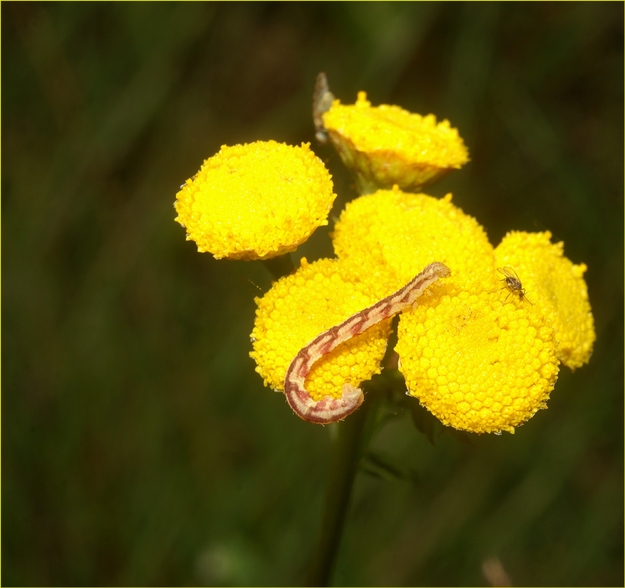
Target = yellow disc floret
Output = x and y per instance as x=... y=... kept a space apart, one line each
x=303 y=305
x=476 y=363
x=556 y=286
x=255 y=201
x=392 y=235
x=386 y=145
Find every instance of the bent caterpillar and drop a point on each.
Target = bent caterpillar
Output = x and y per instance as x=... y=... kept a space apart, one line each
x=328 y=409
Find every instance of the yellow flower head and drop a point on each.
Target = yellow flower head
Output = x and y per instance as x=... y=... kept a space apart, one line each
x=386 y=145
x=299 y=307
x=391 y=235
x=478 y=362
x=255 y=201
x=557 y=287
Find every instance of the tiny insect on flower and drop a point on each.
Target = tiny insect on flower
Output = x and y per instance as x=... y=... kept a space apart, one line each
x=513 y=283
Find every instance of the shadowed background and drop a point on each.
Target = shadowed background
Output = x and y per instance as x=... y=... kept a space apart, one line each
x=139 y=447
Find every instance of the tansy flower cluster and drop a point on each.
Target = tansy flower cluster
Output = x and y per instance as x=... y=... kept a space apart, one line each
x=480 y=349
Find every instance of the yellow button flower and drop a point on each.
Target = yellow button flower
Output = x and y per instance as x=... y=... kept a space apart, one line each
x=255 y=201
x=392 y=235
x=477 y=363
x=386 y=145
x=303 y=305
x=556 y=286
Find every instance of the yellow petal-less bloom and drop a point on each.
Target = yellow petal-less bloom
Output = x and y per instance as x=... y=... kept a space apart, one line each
x=476 y=363
x=301 y=306
x=386 y=145
x=391 y=235
x=255 y=201
x=556 y=286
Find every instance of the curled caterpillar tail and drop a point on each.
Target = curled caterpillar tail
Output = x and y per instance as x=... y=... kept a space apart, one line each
x=329 y=410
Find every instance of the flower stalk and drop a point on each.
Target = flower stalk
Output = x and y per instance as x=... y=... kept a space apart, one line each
x=352 y=439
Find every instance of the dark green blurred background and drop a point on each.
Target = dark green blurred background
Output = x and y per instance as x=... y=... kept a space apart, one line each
x=138 y=444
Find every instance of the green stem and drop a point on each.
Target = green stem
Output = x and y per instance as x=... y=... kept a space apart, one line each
x=352 y=437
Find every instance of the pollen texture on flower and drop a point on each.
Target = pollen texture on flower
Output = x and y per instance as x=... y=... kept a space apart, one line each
x=390 y=236
x=386 y=145
x=477 y=362
x=303 y=305
x=255 y=201
x=556 y=286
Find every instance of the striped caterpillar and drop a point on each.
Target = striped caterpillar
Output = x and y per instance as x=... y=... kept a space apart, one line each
x=328 y=409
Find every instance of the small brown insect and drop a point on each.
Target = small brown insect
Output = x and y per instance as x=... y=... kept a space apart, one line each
x=513 y=283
